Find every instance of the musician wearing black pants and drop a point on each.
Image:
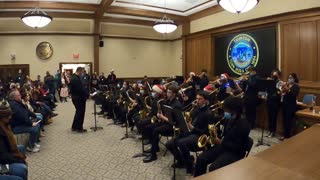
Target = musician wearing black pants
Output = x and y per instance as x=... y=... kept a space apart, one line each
x=164 y=128
x=79 y=97
x=186 y=141
x=251 y=96
x=273 y=103
x=290 y=91
x=230 y=148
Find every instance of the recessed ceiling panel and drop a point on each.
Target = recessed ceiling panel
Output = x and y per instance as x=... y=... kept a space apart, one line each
x=181 y=6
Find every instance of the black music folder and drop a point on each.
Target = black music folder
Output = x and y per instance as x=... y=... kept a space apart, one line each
x=176 y=118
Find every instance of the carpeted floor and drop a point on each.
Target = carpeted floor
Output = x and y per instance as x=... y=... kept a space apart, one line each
x=66 y=155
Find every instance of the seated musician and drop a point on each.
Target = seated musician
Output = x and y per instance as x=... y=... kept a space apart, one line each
x=145 y=126
x=226 y=86
x=186 y=141
x=163 y=128
x=186 y=94
x=232 y=146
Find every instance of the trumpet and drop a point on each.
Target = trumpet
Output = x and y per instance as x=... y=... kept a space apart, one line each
x=187 y=114
x=205 y=140
x=167 y=84
x=182 y=90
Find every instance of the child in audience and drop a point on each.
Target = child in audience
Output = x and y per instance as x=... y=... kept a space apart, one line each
x=64 y=93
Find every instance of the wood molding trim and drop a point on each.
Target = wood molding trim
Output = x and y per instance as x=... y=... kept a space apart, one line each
x=127 y=21
x=141 y=38
x=206 y=12
x=54 y=14
x=49 y=33
x=260 y=21
x=104 y=5
x=96 y=47
x=48 y=5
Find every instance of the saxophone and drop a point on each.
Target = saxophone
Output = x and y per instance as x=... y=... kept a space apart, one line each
x=154 y=119
x=143 y=112
x=205 y=140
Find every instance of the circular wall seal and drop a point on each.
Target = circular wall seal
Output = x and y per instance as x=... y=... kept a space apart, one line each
x=243 y=52
x=44 y=50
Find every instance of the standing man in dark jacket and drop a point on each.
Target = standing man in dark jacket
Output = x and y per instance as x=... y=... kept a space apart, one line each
x=186 y=141
x=79 y=97
x=230 y=148
x=20 y=78
x=251 y=96
x=204 y=80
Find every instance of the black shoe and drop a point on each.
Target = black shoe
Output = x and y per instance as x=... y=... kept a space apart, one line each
x=81 y=130
x=178 y=165
x=150 y=159
x=73 y=129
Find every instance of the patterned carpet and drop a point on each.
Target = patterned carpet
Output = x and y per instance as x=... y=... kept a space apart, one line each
x=66 y=155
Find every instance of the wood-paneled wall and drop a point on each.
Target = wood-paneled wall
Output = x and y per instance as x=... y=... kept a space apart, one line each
x=199 y=54
x=299 y=47
x=300 y=53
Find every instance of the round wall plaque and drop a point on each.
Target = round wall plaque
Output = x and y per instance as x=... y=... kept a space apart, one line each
x=44 y=50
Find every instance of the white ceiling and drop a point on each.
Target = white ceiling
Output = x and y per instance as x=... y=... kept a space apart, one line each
x=178 y=7
x=74 y=1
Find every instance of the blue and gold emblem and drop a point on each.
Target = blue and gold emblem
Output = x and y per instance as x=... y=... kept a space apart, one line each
x=243 y=52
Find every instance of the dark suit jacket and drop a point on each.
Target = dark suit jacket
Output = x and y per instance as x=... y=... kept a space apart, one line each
x=76 y=87
x=20 y=114
x=200 y=120
x=236 y=133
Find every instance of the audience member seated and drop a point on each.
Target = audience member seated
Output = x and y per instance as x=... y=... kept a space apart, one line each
x=22 y=121
x=9 y=151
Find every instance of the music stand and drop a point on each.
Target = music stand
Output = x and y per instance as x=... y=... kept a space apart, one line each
x=264 y=85
x=175 y=118
x=94 y=95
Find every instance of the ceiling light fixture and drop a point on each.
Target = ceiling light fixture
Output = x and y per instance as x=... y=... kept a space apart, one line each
x=36 y=18
x=165 y=25
x=238 y=6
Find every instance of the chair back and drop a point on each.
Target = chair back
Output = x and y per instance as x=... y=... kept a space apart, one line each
x=308 y=99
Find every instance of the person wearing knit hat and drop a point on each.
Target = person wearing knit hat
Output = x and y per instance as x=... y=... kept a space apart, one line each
x=226 y=86
x=159 y=89
x=224 y=76
x=9 y=151
x=208 y=88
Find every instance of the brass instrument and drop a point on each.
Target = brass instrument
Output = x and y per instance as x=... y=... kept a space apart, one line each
x=154 y=119
x=219 y=104
x=143 y=112
x=167 y=84
x=205 y=140
x=187 y=114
